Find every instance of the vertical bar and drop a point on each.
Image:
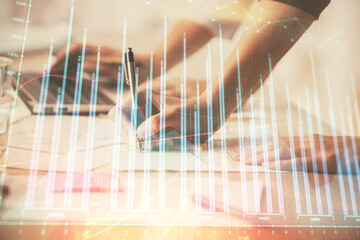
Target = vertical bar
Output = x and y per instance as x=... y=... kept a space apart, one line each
x=146 y=191
x=336 y=146
x=162 y=140
x=75 y=125
x=222 y=130
x=196 y=159
x=53 y=156
x=254 y=155
x=90 y=136
x=118 y=128
x=88 y=155
x=67 y=57
x=147 y=141
x=304 y=165
x=34 y=158
x=275 y=139
x=183 y=133
x=210 y=132
x=293 y=156
x=223 y=149
x=348 y=166
x=321 y=139
x=313 y=155
x=132 y=155
x=183 y=149
x=242 y=155
x=241 y=138
x=265 y=148
x=72 y=145
x=197 y=148
x=163 y=124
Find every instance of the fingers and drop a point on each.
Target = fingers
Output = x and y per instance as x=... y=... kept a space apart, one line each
x=285 y=165
x=107 y=68
x=271 y=155
x=148 y=133
x=149 y=127
x=127 y=129
x=112 y=113
x=121 y=107
x=74 y=51
x=305 y=163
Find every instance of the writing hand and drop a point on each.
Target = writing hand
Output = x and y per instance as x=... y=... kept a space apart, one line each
x=172 y=109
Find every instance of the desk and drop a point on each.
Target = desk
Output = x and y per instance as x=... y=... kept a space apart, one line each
x=139 y=222
x=100 y=219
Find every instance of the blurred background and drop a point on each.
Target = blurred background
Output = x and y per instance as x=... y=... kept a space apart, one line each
x=333 y=41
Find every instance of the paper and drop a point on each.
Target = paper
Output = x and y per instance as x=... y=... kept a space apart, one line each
x=237 y=202
x=84 y=151
x=23 y=133
x=78 y=161
x=125 y=158
x=62 y=150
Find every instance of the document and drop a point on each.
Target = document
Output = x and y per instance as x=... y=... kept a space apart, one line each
x=59 y=144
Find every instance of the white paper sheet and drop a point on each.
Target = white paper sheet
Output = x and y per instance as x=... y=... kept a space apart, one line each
x=23 y=153
x=133 y=159
x=237 y=202
x=23 y=133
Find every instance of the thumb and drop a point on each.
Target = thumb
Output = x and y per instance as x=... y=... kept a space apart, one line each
x=149 y=127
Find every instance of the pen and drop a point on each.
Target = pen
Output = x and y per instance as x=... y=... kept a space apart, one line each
x=131 y=81
x=130 y=73
x=130 y=78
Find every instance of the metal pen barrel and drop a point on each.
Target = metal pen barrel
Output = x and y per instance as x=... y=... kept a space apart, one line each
x=130 y=72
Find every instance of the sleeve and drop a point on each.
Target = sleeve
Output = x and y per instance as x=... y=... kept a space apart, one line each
x=314 y=7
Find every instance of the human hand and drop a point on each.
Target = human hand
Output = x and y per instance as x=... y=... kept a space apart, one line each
x=175 y=112
x=173 y=87
x=172 y=113
x=108 y=69
x=308 y=153
x=110 y=60
x=124 y=112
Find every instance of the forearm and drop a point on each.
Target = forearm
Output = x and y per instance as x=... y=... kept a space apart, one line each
x=269 y=39
x=196 y=35
x=349 y=152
